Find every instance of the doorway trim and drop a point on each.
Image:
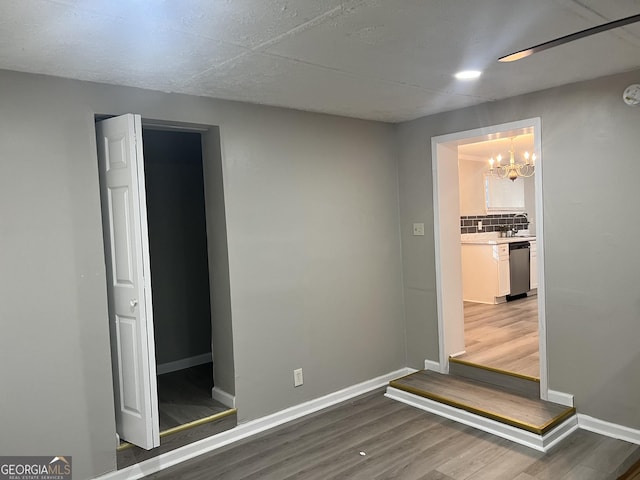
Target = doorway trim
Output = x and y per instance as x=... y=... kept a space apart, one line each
x=447 y=238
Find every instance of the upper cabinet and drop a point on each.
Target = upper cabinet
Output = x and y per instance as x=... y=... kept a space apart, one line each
x=482 y=194
x=503 y=195
x=471 y=184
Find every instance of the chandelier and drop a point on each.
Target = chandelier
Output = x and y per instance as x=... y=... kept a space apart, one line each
x=513 y=170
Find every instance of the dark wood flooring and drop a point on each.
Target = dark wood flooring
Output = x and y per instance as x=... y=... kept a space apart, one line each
x=633 y=473
x=503 y=336
x=373 y=437
x=185 y=396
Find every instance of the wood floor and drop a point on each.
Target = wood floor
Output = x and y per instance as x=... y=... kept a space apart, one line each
x=501 y=404
x=503 y=336
x=185 y=396
x=374 y=437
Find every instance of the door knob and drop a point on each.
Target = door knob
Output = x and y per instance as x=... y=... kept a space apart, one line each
x=133 y=302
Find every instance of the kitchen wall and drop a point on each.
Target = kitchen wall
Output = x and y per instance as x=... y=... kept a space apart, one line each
x=495 y=222
x=592 y=300
x=471 y=181
x=314 y=266
x=473 y=204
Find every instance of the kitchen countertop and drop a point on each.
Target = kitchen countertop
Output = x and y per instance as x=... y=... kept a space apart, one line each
x=493 y=239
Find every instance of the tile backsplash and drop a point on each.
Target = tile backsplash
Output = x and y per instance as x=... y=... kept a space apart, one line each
x=493 y=223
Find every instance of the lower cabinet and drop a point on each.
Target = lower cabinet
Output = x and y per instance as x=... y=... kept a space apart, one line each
x=485 y=272
x=504 y=277
x=533 y=265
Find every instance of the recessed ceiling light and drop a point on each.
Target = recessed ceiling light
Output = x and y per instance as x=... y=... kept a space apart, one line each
x=468 y=74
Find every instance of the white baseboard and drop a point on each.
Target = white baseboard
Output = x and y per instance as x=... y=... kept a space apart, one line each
x=223 y=397
x=609 y=429
x=248 y=429
x=541 y=443
x=183 y=363
x=560 y=398
x=431 y=365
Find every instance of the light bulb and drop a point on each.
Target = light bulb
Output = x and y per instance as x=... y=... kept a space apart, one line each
x=468 y=74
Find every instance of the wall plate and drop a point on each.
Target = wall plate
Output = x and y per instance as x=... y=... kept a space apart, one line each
x=631 y=95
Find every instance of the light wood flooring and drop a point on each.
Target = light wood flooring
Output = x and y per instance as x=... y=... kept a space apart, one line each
x=503 y=336
x=374 y=437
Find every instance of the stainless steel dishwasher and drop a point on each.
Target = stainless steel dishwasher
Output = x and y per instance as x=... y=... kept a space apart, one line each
x=519 y=260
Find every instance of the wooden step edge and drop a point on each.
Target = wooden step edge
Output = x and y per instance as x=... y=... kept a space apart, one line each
x=558 y=419
x=538 y=430
x=185 y=426
x=494 y=370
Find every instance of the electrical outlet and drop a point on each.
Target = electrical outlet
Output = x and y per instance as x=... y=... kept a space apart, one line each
x=297 y=377
x=418 y=229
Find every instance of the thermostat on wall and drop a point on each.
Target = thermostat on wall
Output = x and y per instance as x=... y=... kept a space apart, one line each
x=631 y=95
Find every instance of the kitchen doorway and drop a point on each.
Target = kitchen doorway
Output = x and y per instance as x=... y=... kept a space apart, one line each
x=447 y=230
x=497 y=227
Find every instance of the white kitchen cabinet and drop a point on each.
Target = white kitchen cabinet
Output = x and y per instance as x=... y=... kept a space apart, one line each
x=485 y=273
x=503 y=270
x=533 y=265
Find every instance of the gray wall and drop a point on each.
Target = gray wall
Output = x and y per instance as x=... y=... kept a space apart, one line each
x=313 y=247
x=220 y=288
x=314 y=254
x=177 y=244
x=315 y=278
x=590 y=147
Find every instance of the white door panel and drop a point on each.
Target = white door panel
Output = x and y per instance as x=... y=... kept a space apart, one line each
x=124 y=217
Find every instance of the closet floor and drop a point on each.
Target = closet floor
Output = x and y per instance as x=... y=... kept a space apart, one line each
x=185 y=396
x=187 y=414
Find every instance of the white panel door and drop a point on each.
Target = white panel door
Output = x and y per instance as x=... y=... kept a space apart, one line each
x=126 y=241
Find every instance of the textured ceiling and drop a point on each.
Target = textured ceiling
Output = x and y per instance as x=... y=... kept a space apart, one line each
x=389 y=60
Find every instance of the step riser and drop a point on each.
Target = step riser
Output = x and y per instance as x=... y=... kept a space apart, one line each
x=523 y=386
x=542 y=443
x=501 y=411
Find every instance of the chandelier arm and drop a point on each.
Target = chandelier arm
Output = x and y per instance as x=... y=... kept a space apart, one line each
x=513 y=169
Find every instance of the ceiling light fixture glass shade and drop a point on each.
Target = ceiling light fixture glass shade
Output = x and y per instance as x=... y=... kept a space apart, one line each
x=513 y=170
x=468 y=74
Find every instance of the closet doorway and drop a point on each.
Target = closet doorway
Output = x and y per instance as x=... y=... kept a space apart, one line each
x=179 y=275
x=158 y=280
